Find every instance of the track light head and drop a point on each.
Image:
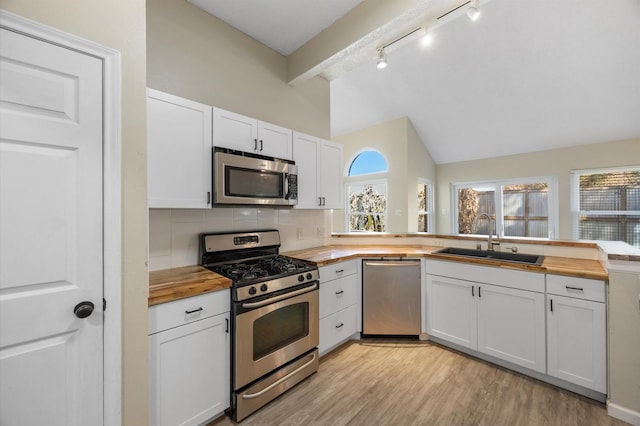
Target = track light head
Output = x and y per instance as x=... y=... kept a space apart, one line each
x=473 y=13
x=382 y=59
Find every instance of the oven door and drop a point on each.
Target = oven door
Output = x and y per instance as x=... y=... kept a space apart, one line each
x=273 y=333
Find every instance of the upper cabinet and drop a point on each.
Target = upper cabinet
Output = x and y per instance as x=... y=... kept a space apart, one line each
x=178 y=152
x=319 y=172
x=242 y=133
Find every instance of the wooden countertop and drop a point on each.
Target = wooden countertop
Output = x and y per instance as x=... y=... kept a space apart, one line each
x=582 y=268
x=177 y=283
x=187 y=281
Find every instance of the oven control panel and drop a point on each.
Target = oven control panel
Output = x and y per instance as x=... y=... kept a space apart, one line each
x=272 y=286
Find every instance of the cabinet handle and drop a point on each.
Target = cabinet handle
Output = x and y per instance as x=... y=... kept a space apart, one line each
x=339 y=292
x=479 y=294
x=260 y=145
x=324 y=203
x=255 y=144
x=473 y=292
x=551 y=304
x=569 y=288
x=208 y=197
x=226 y=329
x=319 y=201
x=339 y=271
x=193 y=312
x=339 y=325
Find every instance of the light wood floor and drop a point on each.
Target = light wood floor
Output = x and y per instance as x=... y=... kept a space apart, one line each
x=408 y=382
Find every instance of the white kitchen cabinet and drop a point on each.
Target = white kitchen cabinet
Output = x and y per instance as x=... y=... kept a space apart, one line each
x=242 y=133
x=319 y=172
x=494 y=311
x=576 y=331
x=451 y=311
x=178 y=152
x=339 y=303
x=189 y=360
x=511 y=325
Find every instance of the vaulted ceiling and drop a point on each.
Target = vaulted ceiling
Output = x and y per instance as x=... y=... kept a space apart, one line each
x=526 y=76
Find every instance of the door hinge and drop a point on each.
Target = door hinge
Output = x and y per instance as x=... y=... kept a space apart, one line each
x=104 y=304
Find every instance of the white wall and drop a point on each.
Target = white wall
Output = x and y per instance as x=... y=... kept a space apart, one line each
x=197 y=56
x=173 y=233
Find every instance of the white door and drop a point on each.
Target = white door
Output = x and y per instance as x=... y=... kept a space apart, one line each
x=577 y=336
x=451 y=310
x=275 y=141
x=305 y=154
x=511 y=325
x=331 y=175
x=235 y=131
x=51 y=361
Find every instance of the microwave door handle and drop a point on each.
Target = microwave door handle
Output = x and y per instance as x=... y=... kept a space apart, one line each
x=286 y=186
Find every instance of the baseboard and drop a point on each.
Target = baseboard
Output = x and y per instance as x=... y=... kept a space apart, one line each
x=624 y=414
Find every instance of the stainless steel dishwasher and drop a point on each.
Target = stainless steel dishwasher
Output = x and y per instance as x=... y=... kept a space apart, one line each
x=391 y=297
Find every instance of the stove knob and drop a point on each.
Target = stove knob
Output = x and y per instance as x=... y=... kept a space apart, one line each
x=300 y=278
x=309 y=276
x=263 y=287
x=252 y=291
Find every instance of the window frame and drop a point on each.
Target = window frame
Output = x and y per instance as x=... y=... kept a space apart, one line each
x=347 y=211
x=575 y=197
x=429 y=212
x=497 y=184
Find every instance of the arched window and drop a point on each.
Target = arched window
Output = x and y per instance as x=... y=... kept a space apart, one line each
x=367 y=198
x=368 y=162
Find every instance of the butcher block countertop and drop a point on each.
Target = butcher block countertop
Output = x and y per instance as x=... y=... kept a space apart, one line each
x=582 y=268
x=177 y=283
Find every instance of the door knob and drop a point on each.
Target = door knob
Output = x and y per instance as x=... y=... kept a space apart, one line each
x=83 y=309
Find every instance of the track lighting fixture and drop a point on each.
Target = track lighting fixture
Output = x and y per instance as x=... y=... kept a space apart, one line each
x=382 y=59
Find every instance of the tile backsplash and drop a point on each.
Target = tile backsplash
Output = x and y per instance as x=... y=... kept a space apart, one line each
x=173 y=233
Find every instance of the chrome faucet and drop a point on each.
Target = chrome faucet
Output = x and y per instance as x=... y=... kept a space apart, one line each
x=490 y=242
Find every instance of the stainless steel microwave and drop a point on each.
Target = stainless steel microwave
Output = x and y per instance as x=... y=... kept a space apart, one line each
x=241 y=178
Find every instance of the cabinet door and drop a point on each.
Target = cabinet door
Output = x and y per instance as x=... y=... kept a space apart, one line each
x=331 y=175
x=189 y=372
x=576 y=333
x=305 y=155
x=451 y=310
x=511 y=325
x=275 y=141
x=178 y=152
x=234 y=131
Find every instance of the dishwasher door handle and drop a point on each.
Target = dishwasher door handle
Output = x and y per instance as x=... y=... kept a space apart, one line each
x=390 y=263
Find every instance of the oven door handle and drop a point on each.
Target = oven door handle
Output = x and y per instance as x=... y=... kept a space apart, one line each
x=278 y=298
x=280 y=380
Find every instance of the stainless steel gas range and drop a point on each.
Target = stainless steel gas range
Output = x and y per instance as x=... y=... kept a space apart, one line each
x=274 y=319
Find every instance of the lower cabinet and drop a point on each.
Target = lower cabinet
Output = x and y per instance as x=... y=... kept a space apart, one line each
x=504 y=321
x=339 y=307
x=189 y=360
x=576 y=331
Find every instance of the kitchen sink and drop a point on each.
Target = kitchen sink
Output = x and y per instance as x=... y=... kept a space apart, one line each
x=528 y=259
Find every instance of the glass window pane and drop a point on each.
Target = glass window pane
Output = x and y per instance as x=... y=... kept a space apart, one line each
x=368 y=162
x=513 y=203
x=472 y=203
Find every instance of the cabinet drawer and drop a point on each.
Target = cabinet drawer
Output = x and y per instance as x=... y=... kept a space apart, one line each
x=578 y=288
x=183 y=311
x=337 y=328
x=338 y=270
x=338 y=294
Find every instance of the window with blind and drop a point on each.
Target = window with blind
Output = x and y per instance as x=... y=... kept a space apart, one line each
x=520 y=208
x=606 y=205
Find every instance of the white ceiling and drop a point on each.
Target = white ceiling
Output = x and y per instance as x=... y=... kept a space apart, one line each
x=283 y=25
x=527 y=76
